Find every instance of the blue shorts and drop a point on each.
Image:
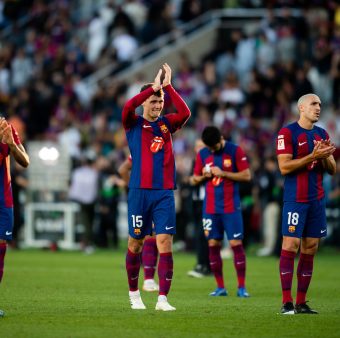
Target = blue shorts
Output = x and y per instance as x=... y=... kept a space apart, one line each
x=147 y=206
x=6 y=223
x=304 y=219
x=214 y=225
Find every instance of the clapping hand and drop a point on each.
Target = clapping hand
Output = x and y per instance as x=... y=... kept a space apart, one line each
x=323 y=149
x=157 y=85
x=6 y=135
x=167 y=75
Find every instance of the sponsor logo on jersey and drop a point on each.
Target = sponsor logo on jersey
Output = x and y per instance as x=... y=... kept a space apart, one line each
x=157 y=144
x=291 y=228
x=216 y=181
x=227 y=163
x=164 y=128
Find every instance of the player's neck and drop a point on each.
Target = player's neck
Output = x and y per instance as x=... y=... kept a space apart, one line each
x=305 y=124
x=150 y=118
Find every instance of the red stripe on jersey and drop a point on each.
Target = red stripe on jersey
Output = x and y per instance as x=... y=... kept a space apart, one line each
x=228 y=185
x=319 y=175
x=210 y=189
x=210 y=198
x=7 y=184
x=146 y=170
x=302 y=177
x=302 y=187
x=320 y=190
x=229 y=205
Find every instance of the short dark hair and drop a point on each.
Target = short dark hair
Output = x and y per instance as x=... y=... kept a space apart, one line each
x=211 y=136
x=159 y=93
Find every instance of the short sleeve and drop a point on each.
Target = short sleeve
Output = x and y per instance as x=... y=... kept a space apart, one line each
x=198 y=165
x=241 y=159
x=284 y=143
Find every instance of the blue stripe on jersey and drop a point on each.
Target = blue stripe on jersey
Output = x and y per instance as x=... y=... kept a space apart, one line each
x=136 y=153
x=157 y=175
x=2 y=186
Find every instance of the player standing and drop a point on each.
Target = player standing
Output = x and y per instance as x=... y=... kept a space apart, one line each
x=150 y=251
x=221 y=165
x=151 y=197
x=304 y=153
x=10 y=144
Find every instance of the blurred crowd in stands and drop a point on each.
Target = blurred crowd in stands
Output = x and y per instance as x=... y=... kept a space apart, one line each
x=248 y=86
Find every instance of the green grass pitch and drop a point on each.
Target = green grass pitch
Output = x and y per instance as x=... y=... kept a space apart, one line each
x=68 y=294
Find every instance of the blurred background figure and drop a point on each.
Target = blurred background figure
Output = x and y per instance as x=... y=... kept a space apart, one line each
x=84 y=191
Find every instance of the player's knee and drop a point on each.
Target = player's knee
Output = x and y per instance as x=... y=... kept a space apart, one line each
x=164 y=243
x=135 y=245
x=290 y=244
x=309 y=247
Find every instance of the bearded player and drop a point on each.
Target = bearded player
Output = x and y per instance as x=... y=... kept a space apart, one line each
x=221 y=165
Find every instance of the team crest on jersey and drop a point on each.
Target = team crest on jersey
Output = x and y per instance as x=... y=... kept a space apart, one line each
x=137 y=231
x=227 y=163
x=280 y=143
x=206 y=233
x=157 y=144
x=291 y=228
x=216 y=181
x=164 y=128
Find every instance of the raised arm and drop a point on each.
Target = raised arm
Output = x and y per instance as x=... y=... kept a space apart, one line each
x=10 y=137
x=183 y=111
x=129 y=117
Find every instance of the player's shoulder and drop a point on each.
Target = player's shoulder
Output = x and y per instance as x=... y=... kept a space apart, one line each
x=231 y=147
x=290 y=127
x=319 y=130
x=204 y=152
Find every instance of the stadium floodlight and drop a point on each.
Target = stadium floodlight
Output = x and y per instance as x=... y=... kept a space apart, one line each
x=49 y=154
x=50 y=166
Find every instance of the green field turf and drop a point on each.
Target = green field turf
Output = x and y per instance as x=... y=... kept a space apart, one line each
x=69 y=294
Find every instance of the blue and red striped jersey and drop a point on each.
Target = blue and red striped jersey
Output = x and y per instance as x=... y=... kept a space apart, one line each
x=150 y=143
x=303 y=185
x=6 y=197
x=221 y=194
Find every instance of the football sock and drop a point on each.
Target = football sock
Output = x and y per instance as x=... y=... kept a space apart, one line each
x=3 y=248
x=216 y=264
x=149 y=257
x=304 y=276
x=133 y=261
x=286 y=274
x=165 y=272
x=240 y=264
